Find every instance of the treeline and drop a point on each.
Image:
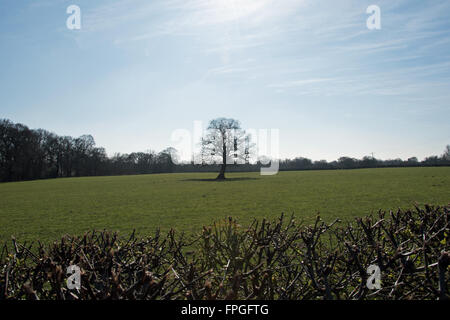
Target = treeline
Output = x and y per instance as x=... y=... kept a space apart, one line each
x=366 y=162
x=27 y=154
x=301 y=163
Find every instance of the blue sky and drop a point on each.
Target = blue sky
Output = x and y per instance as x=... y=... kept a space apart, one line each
x=140 y=69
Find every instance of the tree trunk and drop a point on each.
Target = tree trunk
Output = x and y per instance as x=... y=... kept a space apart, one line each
x=221 y=175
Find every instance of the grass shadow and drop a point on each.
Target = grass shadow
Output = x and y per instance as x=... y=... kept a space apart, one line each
x=227 y=179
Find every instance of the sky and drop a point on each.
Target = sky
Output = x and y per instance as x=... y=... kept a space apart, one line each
x=138 y=70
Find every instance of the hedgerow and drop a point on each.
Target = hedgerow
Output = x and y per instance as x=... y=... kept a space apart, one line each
x=281 y=259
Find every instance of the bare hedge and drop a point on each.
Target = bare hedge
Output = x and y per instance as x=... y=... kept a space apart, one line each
x=281 y=259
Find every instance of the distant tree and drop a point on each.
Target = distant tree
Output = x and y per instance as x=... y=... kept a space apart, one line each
x=321 y=164
x=369 y=162
x=301 y=162
x=225 y=143
x=446 y=155
x=97 y=160
x=167 y=159
x=67 y=155
x=431 y=161
x=347 y=162
x=82 y=149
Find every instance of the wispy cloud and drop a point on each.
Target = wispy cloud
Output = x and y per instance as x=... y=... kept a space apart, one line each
x=299 y=83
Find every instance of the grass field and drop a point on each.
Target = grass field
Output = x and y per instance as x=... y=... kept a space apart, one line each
x=47 y=209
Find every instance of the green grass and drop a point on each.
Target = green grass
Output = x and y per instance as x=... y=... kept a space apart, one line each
x=47 y=209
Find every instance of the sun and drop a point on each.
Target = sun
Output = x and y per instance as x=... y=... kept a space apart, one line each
x=231 y=10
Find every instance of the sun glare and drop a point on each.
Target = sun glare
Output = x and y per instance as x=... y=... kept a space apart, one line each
x=230 y=10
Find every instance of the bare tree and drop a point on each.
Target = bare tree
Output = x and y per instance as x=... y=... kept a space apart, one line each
x=225 y=143
x=446 y=155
